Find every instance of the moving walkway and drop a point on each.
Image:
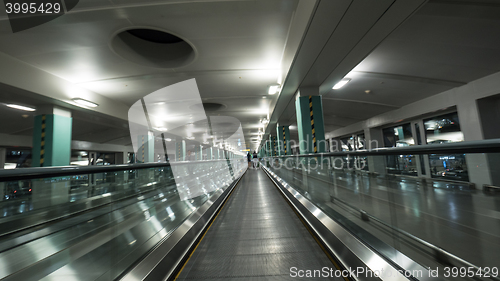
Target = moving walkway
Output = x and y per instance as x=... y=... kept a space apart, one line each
x=217 y=220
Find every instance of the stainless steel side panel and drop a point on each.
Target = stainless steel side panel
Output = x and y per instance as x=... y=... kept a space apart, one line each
x=351 y=252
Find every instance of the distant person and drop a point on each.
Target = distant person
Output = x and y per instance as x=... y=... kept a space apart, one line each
x=249 y=158
x=255 y=159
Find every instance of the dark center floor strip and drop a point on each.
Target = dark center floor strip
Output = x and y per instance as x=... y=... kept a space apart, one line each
x=256 y=236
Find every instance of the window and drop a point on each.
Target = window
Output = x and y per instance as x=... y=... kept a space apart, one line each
x=443 y=129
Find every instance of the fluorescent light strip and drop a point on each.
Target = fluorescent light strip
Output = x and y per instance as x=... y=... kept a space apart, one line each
x=85 y=102
x=341 y=83
x=20 y=107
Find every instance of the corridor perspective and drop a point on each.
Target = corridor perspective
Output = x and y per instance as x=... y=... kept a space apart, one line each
x=250 y=140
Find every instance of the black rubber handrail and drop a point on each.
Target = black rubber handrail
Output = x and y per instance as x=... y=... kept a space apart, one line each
x=484 y=146
x=61 y=171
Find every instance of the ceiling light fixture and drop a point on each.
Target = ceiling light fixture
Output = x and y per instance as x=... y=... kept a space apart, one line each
x=273 y=89
x=20 y=107
x=190 y=138
x=163 y=129
x=168 y=139
x=83 y=102
x=341 y=83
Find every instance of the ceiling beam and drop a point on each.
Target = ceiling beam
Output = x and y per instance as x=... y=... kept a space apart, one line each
x=340 y=35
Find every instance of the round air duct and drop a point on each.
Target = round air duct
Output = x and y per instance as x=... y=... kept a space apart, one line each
x=153 y=47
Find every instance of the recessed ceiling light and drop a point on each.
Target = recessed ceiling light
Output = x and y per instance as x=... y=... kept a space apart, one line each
x=168 y=139
x=160 y=129
x=190 y=138
x=85 y=102
x=20 y=107
x=341 y=83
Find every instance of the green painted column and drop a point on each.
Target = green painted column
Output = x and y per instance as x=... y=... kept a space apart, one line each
x=145 y=154
x=199 y=153
x=52 y=139
x=269 y=143
x=310 y=124
x=275 y=146
x=180 y=150
x=283 y=133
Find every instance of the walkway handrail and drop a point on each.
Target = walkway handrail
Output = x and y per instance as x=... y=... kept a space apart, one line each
x=484 y=146
x=61 y=171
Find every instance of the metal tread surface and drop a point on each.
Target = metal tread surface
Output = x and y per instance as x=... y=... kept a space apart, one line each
x=257 y=236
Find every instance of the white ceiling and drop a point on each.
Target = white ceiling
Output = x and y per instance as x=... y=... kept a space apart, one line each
x=444 y=44
x=239 y=47
x=402 y=51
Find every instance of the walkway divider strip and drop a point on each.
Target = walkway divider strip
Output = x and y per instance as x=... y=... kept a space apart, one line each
x=337 y=266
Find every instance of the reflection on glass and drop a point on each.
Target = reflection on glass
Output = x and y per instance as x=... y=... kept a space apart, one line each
x=400 y=136
x=443 y=129
x=347 y=143
x=450 y=167
x=446 y=129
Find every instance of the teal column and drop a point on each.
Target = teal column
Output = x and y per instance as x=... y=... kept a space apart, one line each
x=145 y=154
x=310 y=124
x=283 y=132
x=180 y=150
x=51 y=140
x=269 y=147
x=199 y=153
x=275 y=146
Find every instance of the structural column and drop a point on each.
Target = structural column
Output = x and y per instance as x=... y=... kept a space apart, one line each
x=145 y=154
x=180 y=150
x=51 y=147
x=3 y=156
x=271 y=145
x=375 y=139
x=283 y=133
x=199 y=153
x=309 y=109
x=52 y=137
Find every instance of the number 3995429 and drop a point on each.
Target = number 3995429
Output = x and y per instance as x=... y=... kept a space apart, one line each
x=32 y=8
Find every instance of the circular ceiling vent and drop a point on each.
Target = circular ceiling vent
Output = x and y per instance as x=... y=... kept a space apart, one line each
x=208 y=106
x=152 y=47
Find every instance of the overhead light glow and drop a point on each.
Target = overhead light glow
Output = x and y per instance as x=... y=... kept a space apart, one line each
x=20 y=107
x=190 y=138
x=85 y=102
x=163 y=129
x=341 y=83
x=273 y=89
x=168 y=139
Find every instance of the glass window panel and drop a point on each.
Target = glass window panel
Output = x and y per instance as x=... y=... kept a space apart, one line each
x=443 y=129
